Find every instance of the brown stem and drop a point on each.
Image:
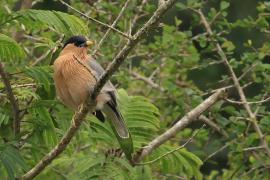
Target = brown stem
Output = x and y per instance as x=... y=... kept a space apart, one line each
x=213 y=125
x=12 y=99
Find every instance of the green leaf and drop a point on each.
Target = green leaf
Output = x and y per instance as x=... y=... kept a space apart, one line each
x=43 y=125
x=42 y=75
x=10 y=50
x=59 y=21
x=224 y=5
x=4 y=118
x=143 y=172
x=12 y=161
x=140 y=116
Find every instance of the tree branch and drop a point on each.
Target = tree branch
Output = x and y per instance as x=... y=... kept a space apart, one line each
x=213 y=125
x=139 y=14
x=217 y=151
x=236 y=84
x=12 y=100
x=89 y=105
x=253 y=102
x=147 y=80
x=113 y=25
x=182 y=123
x=96 y=21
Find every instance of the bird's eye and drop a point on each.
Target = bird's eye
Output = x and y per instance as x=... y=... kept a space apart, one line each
x=81 y=45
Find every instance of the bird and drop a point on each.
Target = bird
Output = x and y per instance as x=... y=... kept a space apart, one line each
x=75 y=75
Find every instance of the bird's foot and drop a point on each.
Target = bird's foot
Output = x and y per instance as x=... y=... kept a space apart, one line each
x=114 y=152
x=73 y=123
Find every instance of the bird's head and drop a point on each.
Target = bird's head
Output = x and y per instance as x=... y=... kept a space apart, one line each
x=79 y=41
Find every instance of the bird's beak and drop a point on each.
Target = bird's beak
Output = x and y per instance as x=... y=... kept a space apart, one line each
x=90 y=43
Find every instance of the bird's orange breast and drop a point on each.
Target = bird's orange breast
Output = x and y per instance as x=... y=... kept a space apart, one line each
x=72 y=80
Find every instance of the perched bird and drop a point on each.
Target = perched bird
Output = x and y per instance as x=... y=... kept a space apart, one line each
x=75 y=75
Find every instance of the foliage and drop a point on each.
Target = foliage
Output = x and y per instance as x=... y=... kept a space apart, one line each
x=179 y=58
x=10 y=50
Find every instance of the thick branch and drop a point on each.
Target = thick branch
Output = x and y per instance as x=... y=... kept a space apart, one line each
x=89 y=104
x=236 y=84
x=12 y=99
x=182 y=123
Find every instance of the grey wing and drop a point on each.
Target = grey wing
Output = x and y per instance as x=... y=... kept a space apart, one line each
x=94 y=65
x=98 y=71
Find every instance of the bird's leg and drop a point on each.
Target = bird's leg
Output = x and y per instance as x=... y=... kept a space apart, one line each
x=73 y=119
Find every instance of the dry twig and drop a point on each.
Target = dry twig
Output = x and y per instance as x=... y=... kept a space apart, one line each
x=217 y=151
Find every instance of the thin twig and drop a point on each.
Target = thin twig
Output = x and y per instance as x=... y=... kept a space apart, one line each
x=213 y=125
x=215 y=18
x=253 y=148
x=174 y=150
x=258 y=107
x=255 y=113
x=209 y=64
x=24 y=85
x=249 y=69
x=146 y=80
x=242 y=75
x=12 y=100
x=52 y=50
x=139 y=14
x=236 y=84
x=226 y=88
x=96 y=21
x=217 y=151
x=170 y=176
x=113 y=25
x=89 y=105
x=254 y=102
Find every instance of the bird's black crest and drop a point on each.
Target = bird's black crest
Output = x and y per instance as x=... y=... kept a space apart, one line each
x=76 y=40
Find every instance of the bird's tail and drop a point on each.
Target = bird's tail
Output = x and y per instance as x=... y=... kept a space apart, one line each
x=120 y=129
